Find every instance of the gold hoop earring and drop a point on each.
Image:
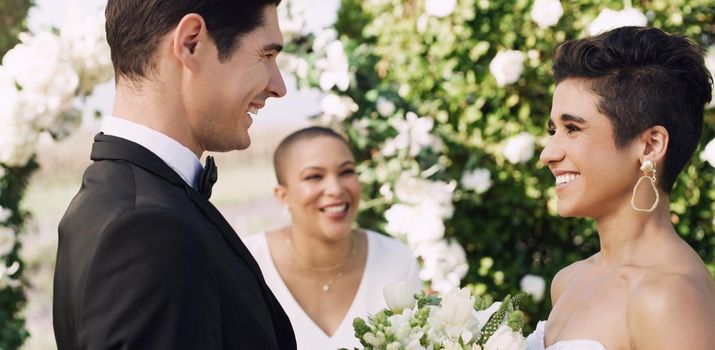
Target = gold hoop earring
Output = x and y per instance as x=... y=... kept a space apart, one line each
x=648 y=169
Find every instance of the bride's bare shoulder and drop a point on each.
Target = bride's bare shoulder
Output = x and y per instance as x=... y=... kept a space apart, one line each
x=565 y=276
x=673 y=310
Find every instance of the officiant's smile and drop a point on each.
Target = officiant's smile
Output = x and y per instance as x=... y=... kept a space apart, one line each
x=321 y=188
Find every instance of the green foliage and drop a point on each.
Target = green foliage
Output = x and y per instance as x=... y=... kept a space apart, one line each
x=12 y=186
x=439 y=67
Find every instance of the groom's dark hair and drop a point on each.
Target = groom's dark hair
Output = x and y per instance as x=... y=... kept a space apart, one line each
x=134 y=27
x=644 y=77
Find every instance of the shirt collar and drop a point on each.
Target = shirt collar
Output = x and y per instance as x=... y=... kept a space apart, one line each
x=174 y=154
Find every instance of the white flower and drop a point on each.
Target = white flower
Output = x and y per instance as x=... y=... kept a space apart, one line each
x=398 y=296
x=435 y=196
x=293 y=64
x=7 y=240
x=519 y=148
x=440 y=8
x=414 y=223
x=374 y=339
x=533 y=285
x=479 y=180
x=546 y=13
x=9 y=99
x=505 y=339
x=710 y=64
x=444 y=264
x=484 y=315
x=324 y=38
x=335 y=107
x=292 y=19
x=708 y=153
x=507 y=66
x=413 y=134
x=17 y=142
x=455 y=317
x=84 y=38
x=609 y=19
x=5 y=214
x=385 y=107
x=334 y=68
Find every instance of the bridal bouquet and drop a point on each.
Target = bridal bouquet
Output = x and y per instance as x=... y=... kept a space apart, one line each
x=457 y=320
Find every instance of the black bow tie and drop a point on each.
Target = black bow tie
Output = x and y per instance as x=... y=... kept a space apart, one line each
x=208 y=177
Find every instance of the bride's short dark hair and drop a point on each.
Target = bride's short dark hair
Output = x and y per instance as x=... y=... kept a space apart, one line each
x=134 y=27
x=305 y=134
x=644 y=77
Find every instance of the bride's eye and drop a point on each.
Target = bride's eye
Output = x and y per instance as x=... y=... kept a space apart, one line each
x=551 y=130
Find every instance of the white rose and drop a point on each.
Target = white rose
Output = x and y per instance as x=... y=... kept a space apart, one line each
x=17 y=142
x=533 y=285
x=440 y=8
x=338 y=107
x=413 y=223
x=708 y=153
x=398 y=296
x=519 y=148
x=7 y=240
x=505 y=339
x=385 y=107
x=9 y=98
x=435 y=196
x=5 y=214
x=334 y=68
x=609 y=19
x=710 y=64
x=455 y=316
x=32 y=63
x=479 y=180
x=546 y=13
x=444 y=264
x=507 y=66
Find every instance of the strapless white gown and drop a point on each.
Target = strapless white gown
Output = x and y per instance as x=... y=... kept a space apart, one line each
x=535 y=341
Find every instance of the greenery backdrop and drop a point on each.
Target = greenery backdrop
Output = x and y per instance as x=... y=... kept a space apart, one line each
x=404 y=57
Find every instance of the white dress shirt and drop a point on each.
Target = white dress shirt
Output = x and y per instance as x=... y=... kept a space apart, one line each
x=175 y=155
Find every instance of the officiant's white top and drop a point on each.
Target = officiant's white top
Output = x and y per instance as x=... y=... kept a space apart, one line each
x=388 y=261
x=535 y=341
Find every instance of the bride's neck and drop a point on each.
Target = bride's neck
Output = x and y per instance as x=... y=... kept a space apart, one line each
x=626 y=233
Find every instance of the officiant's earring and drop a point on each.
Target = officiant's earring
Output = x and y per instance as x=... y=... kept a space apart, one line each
x=648 y=169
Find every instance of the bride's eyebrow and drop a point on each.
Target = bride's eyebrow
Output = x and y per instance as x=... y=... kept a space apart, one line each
x=572 y=118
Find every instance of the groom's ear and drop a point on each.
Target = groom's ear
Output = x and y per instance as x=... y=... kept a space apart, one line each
x=191 y=41
x=654 y=144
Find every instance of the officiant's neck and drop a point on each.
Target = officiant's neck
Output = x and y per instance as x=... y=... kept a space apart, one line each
x=154 y=104
x=627 y=235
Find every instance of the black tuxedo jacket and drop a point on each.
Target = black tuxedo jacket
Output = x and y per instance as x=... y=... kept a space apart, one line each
x=146 y=262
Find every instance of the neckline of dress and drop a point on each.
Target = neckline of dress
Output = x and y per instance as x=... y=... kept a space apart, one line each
x=284 y=288
x=541 y=327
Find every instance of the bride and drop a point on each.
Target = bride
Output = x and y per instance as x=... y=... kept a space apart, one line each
x=627 y=116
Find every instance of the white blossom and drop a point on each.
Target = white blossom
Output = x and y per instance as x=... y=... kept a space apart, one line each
x=546 y=13
x=334 y=67
x=455 y=317
x=5 y=275
x=435 y=196
x=440 y=8
x=293 y=64
x=17 y=142
x=398 y=296
x=507 y=66
x=609 y=19
x=533 y=285
x=9 y=99
x=444 y=264
x=505 y=339
x=710 y=64
x=7 y=240
x=292 y=19
x=413 y=134
x=385 y=107
x=708 y=153
x=479 y=180
x=324 y=38
x=519 y=148
x=5 y=214
x=335 y=107
x=415 y=223
x=84 y=38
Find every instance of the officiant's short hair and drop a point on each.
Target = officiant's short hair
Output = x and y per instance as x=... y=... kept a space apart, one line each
x=643 y=77
x=305 y=134
x=135 y=27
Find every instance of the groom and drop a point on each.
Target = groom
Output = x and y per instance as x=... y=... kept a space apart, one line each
x=145 y=261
